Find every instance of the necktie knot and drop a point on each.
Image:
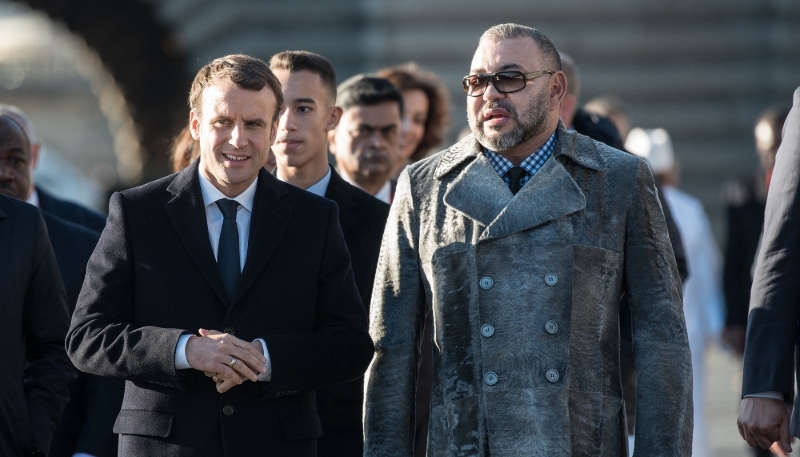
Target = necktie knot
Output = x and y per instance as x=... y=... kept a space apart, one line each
x=515 y=175
x=228 y=207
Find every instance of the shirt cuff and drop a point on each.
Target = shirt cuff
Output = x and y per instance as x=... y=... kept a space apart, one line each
x=268 y=375
x=180 y=353
x=774 y=394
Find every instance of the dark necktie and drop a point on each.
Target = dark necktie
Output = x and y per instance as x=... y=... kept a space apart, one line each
x=515 y=175
x=228 y=247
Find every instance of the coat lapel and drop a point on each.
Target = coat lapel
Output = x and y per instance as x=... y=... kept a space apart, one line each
x=267 y=224
x=188 y=216
x=340 y=192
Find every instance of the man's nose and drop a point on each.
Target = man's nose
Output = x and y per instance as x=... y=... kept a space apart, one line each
x=5 y=172
x=239 y=136
x=491 y=92
x=287 y=122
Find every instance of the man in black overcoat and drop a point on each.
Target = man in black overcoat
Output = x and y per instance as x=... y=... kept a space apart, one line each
x=770 y=355
x=309 y=92
x=223 y=296
x=86 y=423
x=33 y=383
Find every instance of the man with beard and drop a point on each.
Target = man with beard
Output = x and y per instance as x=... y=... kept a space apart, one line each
x=522 y=238
x=367 y=139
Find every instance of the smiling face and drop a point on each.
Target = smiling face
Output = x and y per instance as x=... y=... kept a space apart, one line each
x=234 y=132
x=415 y=115
x=520 y=120
x=16 y=168
x=302 y=137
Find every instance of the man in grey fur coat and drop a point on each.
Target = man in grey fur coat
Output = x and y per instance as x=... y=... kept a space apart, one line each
x=521 y=238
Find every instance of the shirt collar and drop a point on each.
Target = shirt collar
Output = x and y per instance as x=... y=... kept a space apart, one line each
x=531 y=164
x=319 y=187
x=33 y=198
x=385 y=193
x=211 y=194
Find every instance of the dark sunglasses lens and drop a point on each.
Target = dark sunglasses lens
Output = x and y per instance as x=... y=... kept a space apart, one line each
x=475 y=84
x=509 y=81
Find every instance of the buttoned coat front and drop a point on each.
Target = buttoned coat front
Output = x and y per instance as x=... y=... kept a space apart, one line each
x=525 y=292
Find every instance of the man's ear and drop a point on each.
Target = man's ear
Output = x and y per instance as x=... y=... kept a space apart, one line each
x=35 y=148
x=558 y=89
x=194 y=124
x=332 y=139
x=334 y=118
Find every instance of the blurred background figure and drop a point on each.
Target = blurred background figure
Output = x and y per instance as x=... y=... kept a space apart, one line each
x=184 y=150
x=426 y=112
x=425 y=122
x=614 y=109
x=366 y=142
x=702 y=291
x=745 y=201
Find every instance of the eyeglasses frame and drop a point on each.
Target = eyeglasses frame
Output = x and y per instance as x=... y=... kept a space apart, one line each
x=491 y=76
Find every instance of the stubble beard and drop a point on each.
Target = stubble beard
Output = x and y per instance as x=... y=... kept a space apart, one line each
x=532 y=122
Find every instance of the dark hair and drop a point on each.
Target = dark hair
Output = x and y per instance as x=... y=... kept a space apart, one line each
x=243 y=71
x=364 y=90
x=410 y=77
x=184 y=150
x=294 y=61
x=509 y=31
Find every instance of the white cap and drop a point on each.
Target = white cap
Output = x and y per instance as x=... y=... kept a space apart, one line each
x=654 y=146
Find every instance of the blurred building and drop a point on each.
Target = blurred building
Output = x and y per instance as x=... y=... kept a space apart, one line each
x=702 y=70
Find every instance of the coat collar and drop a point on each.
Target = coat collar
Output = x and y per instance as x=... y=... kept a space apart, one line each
x=267 y=224
x=341 y=192
x=480 y=193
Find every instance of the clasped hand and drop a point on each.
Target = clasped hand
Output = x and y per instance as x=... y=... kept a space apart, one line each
x=213 y=353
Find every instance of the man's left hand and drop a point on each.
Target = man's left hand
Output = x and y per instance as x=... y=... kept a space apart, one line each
x=223 y=385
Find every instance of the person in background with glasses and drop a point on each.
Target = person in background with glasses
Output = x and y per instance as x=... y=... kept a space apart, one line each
x=521 y=238
x=366 y=142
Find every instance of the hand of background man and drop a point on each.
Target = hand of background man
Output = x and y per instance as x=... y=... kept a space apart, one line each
x=213 y=351
x=764 y=421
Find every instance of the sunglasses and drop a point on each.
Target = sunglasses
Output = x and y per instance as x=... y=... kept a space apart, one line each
x=505 y=82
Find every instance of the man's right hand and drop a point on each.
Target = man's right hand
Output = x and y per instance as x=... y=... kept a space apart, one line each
x=214 y=351
x=764 y=421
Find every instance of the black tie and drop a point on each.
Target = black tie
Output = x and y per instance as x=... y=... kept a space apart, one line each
x=228 y=247
x=515 y=175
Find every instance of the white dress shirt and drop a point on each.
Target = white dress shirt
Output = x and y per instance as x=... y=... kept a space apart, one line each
x=33 y=198
x=319 y=187
x=384 y=194
x=214 y=219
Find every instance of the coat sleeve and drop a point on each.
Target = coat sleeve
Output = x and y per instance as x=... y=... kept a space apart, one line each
x=775 y=298
x=46 y=319
x=395 y=313
x=339 y=348
x=660 y=344
x=102 y=338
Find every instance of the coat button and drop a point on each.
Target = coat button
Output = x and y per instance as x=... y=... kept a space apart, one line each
x=551 y=279
x=551 y=327
x=490 y=378
x=487 y=330
x=227 y=410
x=552 y=375
x=229 y=330
x=486 y=283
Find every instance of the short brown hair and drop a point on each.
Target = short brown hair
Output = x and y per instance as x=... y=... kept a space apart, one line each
x=509 y=31
x=243 y=71
x=294 y=61
x=410 y=77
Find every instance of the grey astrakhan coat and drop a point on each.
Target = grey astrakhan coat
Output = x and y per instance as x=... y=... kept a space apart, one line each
x=525 y=293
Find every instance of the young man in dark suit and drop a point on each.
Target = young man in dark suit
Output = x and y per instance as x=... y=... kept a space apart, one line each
x=86 y=422
x=221 y=249
x=33 y=383
x=36 y=196
x=309 y=93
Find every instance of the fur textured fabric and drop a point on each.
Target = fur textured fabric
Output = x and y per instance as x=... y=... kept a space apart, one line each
x=525 y=293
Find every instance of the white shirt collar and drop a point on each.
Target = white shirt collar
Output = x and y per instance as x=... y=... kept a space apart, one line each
x=384 y=194
x=318 y=188
x=33 y=198
x=211 y=194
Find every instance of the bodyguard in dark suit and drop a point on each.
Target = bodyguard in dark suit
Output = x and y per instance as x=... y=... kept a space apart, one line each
x=87 y=421
x=770 y=354
x=33 y=382
x=309 y=90
x=68 y=211
x=225 y=270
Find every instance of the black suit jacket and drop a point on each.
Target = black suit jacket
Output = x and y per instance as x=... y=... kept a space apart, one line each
x=70 y=212
x=87 y=421
x=153 y=278
x=772 y=332
x=36 y=370
x=362 y=218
